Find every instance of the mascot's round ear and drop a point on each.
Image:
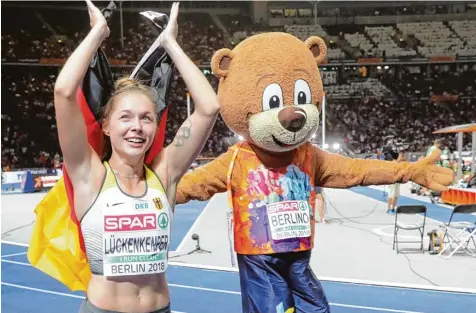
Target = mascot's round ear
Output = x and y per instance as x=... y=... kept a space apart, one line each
x=221 y=62
x=318 y=48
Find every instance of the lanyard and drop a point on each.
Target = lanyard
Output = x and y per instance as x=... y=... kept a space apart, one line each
x=228 y=176
x=230 y=204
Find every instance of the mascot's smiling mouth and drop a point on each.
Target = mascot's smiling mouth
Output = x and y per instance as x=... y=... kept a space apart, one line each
x=281 y=144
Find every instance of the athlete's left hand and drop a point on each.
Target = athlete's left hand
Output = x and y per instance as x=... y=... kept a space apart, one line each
x=169 y=34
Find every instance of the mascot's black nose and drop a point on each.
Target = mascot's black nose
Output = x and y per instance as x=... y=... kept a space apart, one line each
x=292 y=118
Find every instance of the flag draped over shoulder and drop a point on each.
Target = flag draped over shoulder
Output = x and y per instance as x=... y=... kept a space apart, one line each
x=57 y=246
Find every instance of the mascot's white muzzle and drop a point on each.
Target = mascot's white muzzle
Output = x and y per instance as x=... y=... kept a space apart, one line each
x=284 y=129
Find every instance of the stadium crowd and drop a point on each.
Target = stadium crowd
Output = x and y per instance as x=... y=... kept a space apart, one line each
x=407 y=101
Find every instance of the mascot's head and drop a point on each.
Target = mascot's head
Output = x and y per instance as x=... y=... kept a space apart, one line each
x=270 y=89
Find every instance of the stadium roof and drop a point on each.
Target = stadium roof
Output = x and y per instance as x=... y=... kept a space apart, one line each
x=466 y=128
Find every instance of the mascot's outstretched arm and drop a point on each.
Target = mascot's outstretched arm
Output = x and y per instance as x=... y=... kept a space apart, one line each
x=205 y=181
x=337 y=171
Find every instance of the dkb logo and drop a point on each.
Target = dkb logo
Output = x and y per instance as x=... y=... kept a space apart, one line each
x=141 y=206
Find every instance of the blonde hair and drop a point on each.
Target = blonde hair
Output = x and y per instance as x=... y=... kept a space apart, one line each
x=122 y=86
x=127 y=84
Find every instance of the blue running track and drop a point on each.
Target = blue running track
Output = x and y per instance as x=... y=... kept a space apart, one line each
x=193 y=290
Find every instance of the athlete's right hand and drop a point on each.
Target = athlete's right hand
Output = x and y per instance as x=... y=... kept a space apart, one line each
x=97 y=19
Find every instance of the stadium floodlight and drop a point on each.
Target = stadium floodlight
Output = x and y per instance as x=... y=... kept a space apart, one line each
x=336 y=146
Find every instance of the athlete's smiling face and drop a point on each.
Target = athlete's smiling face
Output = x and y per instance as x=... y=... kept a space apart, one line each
x=131 y=124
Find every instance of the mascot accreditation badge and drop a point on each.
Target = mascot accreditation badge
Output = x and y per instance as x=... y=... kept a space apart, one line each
x=289 y=219
x=135 y=244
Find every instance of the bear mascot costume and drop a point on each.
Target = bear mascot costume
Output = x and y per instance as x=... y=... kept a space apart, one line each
x=270 y=92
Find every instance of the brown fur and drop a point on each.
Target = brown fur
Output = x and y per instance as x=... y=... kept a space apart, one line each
x=282 y=60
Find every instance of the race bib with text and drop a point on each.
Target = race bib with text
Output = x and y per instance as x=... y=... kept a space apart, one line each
x=289 y=219
x=135 y=244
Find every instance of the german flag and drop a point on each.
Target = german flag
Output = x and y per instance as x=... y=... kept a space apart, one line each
x=57 y=246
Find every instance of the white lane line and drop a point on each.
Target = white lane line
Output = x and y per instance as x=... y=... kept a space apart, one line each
x=207 y=289
x=14 y=243
x=16 y=262
x=368 y=283
x=43 y=290
x=13 y=254
x=51 y=292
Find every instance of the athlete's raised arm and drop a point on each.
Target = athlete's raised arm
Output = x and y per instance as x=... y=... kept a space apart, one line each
x=77 y=153
x=194 y=132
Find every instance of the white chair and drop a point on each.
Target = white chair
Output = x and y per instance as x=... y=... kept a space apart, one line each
x=460 y=234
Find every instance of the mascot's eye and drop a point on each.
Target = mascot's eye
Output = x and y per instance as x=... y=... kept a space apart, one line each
x=302 y=92
x=272 y=97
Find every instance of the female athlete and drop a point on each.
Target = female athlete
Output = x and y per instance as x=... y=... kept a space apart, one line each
x=125 y=207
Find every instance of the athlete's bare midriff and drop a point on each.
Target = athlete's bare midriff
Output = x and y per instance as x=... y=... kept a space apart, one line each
x=141 y=294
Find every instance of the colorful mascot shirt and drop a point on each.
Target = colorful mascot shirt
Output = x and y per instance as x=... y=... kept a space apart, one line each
x=273 y=209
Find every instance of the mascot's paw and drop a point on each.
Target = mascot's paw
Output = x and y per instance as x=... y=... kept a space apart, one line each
x=427 y=174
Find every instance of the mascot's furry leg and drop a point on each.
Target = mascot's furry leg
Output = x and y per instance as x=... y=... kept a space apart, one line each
x=57 y=247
